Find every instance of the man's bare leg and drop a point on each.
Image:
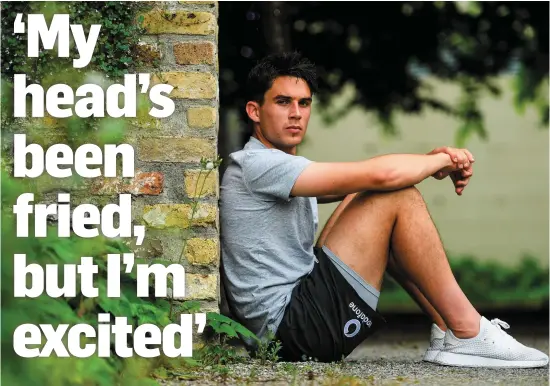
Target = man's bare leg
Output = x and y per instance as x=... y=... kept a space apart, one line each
x=393 y=268
x=372 y=224
x=397 y=273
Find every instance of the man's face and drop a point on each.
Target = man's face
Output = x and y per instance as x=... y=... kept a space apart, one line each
x=283 y=117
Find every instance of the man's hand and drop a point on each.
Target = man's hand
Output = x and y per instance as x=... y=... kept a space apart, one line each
x=461 y=178
x=463 y=168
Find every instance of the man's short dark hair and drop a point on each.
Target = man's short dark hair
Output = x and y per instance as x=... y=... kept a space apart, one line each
x=264 y=73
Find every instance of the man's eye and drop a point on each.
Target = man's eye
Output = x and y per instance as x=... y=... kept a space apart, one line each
x=282 y=102
x=305 y=103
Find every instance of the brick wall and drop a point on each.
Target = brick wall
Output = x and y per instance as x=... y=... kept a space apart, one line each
x=182 y=41
x=180 y=48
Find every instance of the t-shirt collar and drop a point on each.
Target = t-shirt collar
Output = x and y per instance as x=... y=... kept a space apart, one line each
x=254 y=143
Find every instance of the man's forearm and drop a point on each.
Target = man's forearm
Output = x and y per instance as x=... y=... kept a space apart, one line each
x=387 y=172
x=404 y=170
x=328 y=199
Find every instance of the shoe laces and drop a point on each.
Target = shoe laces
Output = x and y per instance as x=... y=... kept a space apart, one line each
x=501 y=324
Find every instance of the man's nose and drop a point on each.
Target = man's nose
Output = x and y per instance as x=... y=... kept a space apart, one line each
x=295 y=112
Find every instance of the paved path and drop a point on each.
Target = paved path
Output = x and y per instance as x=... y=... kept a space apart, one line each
x=393 y=358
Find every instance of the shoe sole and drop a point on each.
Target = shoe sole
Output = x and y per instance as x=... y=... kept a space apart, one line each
x=462 y=360
x=430 y=355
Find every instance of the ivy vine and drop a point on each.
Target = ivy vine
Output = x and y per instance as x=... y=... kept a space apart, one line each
x=115 y=51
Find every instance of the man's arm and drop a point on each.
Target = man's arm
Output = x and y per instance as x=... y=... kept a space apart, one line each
x=330 y=198
x=387 y=172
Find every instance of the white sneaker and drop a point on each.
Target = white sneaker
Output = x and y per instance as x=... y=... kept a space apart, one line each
x=492 y=347
x=436 y=343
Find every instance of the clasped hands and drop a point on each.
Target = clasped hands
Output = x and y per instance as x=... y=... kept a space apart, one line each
x=461 y=170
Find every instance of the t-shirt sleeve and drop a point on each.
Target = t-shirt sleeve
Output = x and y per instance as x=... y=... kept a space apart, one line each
x=272 y=173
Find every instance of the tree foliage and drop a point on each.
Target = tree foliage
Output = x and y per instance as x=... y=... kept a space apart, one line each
x=384 y=50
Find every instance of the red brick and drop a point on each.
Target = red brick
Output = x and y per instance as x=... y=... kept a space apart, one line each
x=194 y=53
x=150 y=184
x=144 y=183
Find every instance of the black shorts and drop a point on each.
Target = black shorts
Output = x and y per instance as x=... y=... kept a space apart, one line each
x=325 y=319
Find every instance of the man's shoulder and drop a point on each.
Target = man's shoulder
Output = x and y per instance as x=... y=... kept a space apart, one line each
x=254 y=150
x=255 y=157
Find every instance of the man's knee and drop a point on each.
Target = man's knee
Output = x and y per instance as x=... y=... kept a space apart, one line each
x=411 y=193
x=406 y=194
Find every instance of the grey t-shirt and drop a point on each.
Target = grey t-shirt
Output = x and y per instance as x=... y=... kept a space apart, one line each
x=267 y=236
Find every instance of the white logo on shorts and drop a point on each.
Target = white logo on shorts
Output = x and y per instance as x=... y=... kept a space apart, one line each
x=360 y=315
x=356 y=329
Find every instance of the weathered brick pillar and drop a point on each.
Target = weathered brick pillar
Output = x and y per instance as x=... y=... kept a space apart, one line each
x=182 y=41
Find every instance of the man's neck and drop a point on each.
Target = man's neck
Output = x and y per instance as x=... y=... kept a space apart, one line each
x=258 y=135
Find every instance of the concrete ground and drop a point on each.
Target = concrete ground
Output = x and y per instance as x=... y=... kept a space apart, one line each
x=393 y=357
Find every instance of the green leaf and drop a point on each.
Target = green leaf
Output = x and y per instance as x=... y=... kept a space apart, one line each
x=190 y=306
x=217 y=320
x=244 y=331
x=228 y=330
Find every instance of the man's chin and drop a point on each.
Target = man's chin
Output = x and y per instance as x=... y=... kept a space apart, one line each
x=293 y=142
x=295 y=139
x=288 y=142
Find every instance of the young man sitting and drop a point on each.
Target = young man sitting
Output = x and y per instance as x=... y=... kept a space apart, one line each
x=320 y=300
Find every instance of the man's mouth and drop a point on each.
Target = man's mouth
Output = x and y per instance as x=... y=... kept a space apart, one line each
x=294 y=129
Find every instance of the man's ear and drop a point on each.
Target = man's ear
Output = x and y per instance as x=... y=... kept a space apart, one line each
x=253 y=111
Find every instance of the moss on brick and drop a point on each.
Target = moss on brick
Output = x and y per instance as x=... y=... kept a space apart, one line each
x=202 y=251
x=162 y=216
x=158 y=21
